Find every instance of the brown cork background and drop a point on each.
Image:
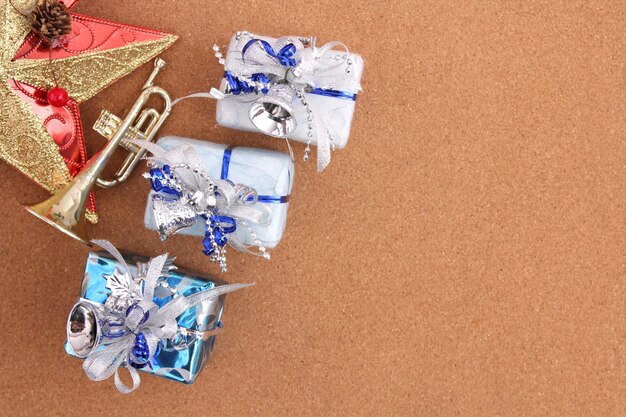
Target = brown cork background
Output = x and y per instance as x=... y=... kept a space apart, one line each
x=463 y=256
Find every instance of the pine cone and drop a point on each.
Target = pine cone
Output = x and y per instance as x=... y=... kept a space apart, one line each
x=51 y=20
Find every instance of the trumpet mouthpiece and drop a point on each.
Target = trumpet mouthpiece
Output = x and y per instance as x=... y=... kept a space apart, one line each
x=160 y=63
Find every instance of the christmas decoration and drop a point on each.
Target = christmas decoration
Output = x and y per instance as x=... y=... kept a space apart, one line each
x=145 y=316
x=235 y=196
x=47 y=71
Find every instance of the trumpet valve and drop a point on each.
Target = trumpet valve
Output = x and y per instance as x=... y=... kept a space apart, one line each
x=107 y=126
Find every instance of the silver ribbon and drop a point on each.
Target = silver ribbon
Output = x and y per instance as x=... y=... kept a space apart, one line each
x=313 y=70
x=160 y=325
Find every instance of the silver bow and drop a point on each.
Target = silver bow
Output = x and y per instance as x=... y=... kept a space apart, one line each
x=141 y=317
x=314 y=69
x=201 y=196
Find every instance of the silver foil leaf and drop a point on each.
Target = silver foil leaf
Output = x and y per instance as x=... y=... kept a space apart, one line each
x=122 y=291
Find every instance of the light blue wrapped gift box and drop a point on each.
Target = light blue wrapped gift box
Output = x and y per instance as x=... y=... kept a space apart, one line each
x=183 y=359
x=268 y=172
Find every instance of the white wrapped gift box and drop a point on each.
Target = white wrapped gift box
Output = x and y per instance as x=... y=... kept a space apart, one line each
x=270 y=173
x=335 y=113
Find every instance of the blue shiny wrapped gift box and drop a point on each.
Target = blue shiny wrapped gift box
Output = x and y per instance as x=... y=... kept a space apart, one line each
x=182 y=358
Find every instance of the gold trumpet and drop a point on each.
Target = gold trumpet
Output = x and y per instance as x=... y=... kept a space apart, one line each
x=65 y=210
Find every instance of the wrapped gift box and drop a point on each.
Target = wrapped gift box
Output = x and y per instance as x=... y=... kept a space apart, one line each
x=336 y=113
x=270 y=173
x=182 y=358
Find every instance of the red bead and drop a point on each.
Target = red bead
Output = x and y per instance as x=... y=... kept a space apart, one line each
x=57 y=97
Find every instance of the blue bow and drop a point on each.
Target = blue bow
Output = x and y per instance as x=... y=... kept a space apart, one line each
x=284 y=56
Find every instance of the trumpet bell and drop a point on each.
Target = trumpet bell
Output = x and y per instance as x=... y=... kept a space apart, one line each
x=273 y=113
x=64 y=211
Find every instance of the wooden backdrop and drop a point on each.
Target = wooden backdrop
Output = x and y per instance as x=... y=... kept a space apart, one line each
x=464 y=255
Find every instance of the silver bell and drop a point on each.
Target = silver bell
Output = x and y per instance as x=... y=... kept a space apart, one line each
x=171 y=215
x=83 y=329
x=273 y=113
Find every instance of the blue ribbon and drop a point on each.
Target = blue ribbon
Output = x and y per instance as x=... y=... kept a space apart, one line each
x=271 y=199
x=284 y=56
x=228 y=152
x=238 y=86
x=334 y=93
